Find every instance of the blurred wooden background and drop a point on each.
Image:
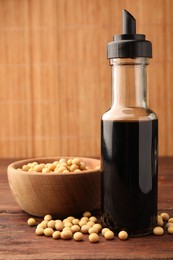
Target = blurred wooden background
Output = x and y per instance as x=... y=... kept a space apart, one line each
x=55 y=80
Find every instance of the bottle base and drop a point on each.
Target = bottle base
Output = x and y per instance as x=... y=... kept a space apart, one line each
x=131 y=233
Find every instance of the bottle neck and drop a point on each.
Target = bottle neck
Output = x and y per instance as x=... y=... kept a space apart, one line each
x=129 y=82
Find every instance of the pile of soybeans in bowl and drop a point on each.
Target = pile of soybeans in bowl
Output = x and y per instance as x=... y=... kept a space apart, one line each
x=63 y=165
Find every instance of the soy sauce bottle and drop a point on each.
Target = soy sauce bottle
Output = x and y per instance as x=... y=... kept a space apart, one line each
x=129 y=138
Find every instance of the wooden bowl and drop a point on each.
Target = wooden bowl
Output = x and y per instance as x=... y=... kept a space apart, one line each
x=59 y=194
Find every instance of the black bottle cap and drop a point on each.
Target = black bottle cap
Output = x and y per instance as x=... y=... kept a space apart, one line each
x=129 y=44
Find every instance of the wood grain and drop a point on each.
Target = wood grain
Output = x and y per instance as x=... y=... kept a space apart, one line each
x=18 y=240
x=55 y=80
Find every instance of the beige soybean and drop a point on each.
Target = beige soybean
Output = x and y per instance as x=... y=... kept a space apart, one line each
x=38 y=168
x=84 y=219
x=104 y=230
x=90 y=223
x=69 y=162
x=52 y=167
x=73 y=167
x=160 y=221
x=109 y=235
x=56 y=234
x=93 y=218
x=98 y=226
x=68 y=224
x=31 y=222
x=78 y=236
x=47 y=165
x=87 y=214
x=75 y=228
x=45 y=170
x=61 y=169
x=33 y=164
x=39 y=231
x=67 y=229
x=93 y=230
x=158 y=231
x=82 y=166
x=169 y=224
x=48 y=232
x=170 y=230
x=77 y=170
x=65 y=220
x=165 y=216
x=31 y=170
x=51 y=223
x=59 y=225
x=47 y=217
x=43 y=224
x=93 y=238
x=62 y=160
x=25 y=167
x=64 y=164
x=170 y=220
x=76 y=161
x=66 y=234
x=70 y=218
x=123 y=235
x=66 y=171
x=75 y=221
x=82 y=223
x=39 y=226
x=85 y=229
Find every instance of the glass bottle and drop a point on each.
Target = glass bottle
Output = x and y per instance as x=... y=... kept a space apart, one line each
x=129 y=138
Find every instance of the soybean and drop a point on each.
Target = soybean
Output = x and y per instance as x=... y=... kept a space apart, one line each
x=92 y=218
x=56 y=234
x=39 y=231
x=98 y=226
x=158 y=231
x=165 y=216
x=48 y=232
x=123 y=235
x=31 y=222
x=66 y=234
x=87 y=214
x=51 y=224
x=104 y=230
x=93 y=230
x=75 y=228
x=85 y=229
x=170 y=220
x=43 y=224
x=93 y=238
x=75 y=221
x=78 y=236
x=109 y=235
x=48 y=217
x=170 y=230
x=159 y=221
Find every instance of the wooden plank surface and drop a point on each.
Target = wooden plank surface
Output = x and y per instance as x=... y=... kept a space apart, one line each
x=55 y=80
x=18 y=240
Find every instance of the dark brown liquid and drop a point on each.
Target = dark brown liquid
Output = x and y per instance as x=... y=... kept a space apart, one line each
x=130 y=174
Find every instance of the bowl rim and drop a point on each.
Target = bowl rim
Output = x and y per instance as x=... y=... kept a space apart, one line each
x=14 y=166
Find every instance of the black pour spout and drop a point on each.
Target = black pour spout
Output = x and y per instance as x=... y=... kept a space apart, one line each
x=129 y=23
x=129 y=44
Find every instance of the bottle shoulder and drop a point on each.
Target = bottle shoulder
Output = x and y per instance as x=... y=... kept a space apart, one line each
x=129 y=113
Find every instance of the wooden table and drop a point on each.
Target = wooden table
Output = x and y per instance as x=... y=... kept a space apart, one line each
x=18 y=240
